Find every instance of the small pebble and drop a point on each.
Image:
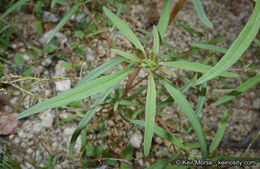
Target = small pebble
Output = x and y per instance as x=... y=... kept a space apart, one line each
x=136 y=140
x=63 y=85
x=47 y=118
x=49 y=17
x=256 y=103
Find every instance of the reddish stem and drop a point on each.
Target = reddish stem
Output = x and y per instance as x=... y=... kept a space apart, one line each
x=163 y=124
x=98 y=26
x=242 y=70
x=176 y=9
x=139 y=81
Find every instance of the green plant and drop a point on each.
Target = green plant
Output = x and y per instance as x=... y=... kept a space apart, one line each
x=6 y=159
x=152 y=60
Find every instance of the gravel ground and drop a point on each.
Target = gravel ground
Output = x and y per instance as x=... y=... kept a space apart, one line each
x=38 y=135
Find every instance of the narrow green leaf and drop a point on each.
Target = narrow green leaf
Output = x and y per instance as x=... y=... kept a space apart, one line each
x=53 y=2
x=200 y=103
x=188 y=85
x=83 y=148
x=190 y=30
x=201 y=100
x=220 y=133
x=257 y=41
x=18 y=59
x=13 y=8
x=63 y=2
x=239 y=90
x=196 y=67
x=38 y=26
x=86 y=119
x=163 y=163
x=78 y=93
x=190 y=114
x=162 y=133
x=124 y=29
x=164 y=19
x=200 y=11
x=150 y=110
x=128 y=103
x=66 y=119
x=127 y=55
x=209 y=47
x=137 y=92
x=216 y=40
x=168 y=72
x=64 y=21
x=99 y=70
x=156 y=42
x=128 y=151
x=237 y=48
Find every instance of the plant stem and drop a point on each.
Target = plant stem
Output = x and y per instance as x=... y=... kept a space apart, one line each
x=176 y=8
x=163 y=124
x=98 y=26
x=132 y=76
x=242 y=70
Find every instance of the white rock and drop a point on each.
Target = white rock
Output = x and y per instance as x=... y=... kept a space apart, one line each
x=36 y=127
x=49 y=17
x=20 y=134
x=14 y=46
x=29 y=151
x=63 y=85
x=17 y=140
x=139 y=155
x=28 y=165
x=65 y=164
x=61 y=37
x=256 y=103
x=90 y=54
x=46 y=62
x=47 y=118
x=59 y=70
x=102 y=167
x=26 y=57
x=69 y=131
x=136 y=140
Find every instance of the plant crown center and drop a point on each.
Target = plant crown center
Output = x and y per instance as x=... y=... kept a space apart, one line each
x=148 y=63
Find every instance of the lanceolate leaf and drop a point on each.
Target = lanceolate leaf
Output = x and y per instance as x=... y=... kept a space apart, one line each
x=190 y=114
x=78 y=93
x=199 y=104
x=164 y=19
x=237 y=48
x=163 y=163
x=210 y=47
x=168 y=72
x=127 y=55
x=239 y=90
x=220 y=133
x=150 y=110
x=156 y=42
x=86 y=119
x=124 y=29
x=99 y=70
x=13 y=8
x=63 y=21
x=53 y=2
x=198 y=6
x=162 y=133
x=196 y=67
